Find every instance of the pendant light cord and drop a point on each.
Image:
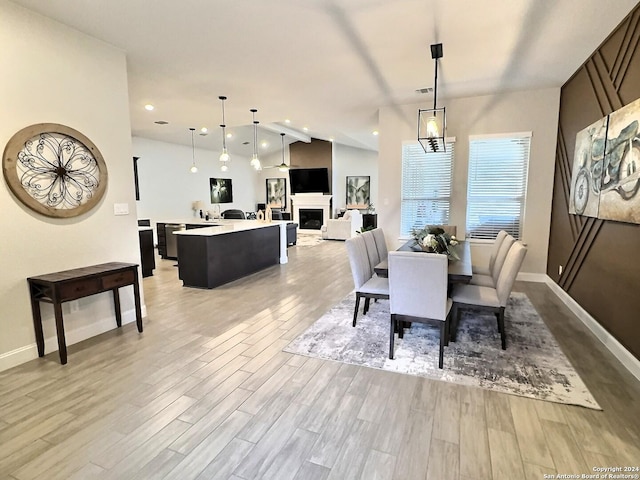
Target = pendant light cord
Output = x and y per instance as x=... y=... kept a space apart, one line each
x=224 y=124
x=435 y=86
x=193 y=148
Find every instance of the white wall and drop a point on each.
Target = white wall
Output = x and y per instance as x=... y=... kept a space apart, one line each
x=260 y=178
x=168 y=188
x=351 y=161
x=58 y=75
x=535 y=111
x=346 y=161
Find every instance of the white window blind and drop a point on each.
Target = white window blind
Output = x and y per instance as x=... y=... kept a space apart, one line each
x=497 y=185
x=426 y=187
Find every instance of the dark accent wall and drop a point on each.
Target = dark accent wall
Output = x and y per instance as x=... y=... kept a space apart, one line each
x=317 y=154
x=600 y=258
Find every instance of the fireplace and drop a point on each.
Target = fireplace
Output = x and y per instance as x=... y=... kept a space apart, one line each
x=318 y=204
x=311 y=218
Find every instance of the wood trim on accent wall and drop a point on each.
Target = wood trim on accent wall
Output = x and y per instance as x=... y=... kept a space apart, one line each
x=599 y=258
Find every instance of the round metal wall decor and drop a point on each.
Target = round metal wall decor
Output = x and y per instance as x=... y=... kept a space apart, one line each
x=54 y=170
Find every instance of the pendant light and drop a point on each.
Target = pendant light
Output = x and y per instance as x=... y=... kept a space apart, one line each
x=193 y=168
x=432 y=121
x=224 y=156
x=255 y=161
x=283 y=167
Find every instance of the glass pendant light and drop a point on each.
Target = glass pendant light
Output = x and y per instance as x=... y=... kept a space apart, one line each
x=193 y=168
x=224 y=156
x=432 y=122
x=255 y=161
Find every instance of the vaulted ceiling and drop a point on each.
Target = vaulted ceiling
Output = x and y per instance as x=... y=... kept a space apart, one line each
x=327 y=65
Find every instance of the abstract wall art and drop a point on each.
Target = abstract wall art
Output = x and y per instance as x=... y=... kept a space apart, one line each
x=358 y=192
x=605 y=180
x=221 y=190
x=277 y=192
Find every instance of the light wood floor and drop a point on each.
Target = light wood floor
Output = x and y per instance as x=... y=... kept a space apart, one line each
x=206 y=392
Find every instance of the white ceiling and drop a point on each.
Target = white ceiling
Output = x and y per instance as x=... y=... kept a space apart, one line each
x=327 y=64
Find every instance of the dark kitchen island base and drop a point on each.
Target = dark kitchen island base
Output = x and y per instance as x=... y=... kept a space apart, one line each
x=211 y=257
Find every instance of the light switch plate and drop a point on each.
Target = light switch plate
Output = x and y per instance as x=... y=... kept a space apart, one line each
x=121 y=209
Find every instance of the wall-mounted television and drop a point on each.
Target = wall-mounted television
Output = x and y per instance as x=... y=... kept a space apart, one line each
x=309 y=180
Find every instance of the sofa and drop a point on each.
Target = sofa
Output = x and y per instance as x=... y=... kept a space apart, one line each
x=344 y=227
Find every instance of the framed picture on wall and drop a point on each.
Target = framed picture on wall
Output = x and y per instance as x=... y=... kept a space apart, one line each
x=277 y=192
x=221 y=190
x=358 y=190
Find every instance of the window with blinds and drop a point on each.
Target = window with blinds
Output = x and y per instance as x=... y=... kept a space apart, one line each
x=497 y=183
x=426 y=187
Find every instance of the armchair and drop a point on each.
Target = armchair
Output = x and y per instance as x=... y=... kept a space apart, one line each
x=344 y=227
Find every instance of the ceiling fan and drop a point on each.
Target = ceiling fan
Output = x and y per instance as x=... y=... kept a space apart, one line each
x=283 y=167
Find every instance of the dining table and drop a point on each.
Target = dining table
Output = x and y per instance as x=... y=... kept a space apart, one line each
x=460 y=270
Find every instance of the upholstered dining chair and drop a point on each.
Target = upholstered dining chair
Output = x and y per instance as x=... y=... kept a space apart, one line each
x=381 y=243
x=489 y=298
x=233 y=214
x=372 y=249
x=491 y=279
x=486 y=270
x=418 y=293
x=366 y=285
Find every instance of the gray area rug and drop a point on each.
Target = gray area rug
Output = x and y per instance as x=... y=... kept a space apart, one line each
x=532 y=365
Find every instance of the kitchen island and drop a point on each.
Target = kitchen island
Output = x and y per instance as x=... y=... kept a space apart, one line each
x=212 y=256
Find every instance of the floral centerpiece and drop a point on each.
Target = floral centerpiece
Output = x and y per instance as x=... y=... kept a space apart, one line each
x=435 y=240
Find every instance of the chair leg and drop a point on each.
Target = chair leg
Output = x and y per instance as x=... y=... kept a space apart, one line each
x=503 y=335
x=498 y=320
x=391 y=339
x=447 y=331
x=366 y=305
x=355 y=310
x=442 y=340
x=455 y=319
x=401 y=325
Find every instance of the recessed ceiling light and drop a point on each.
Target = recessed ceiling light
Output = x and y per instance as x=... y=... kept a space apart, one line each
x=162 y=122
x=149 y=107
x=376 y=133
x=204 y=129
x=287 y=121
x=264 y=144
x=306 y=129
x=331 y=139
x=229 y=135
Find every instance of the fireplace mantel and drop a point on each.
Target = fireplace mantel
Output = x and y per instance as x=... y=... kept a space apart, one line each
x=311 y=201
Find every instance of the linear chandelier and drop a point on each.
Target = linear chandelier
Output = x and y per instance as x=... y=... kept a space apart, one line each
x=432 y=122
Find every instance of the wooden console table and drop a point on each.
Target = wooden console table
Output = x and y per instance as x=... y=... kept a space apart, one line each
x=57 y=288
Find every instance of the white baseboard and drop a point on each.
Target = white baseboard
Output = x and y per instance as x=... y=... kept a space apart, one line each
x=30 y=352
x=625 y=357
x=532 y=277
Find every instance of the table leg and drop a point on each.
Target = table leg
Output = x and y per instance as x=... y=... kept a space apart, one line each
x=136 y=299
x=116 y=304
x=62 y=343
x=37 y=325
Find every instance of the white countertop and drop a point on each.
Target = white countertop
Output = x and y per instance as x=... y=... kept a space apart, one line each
x=199 y=221
x=225 y=226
